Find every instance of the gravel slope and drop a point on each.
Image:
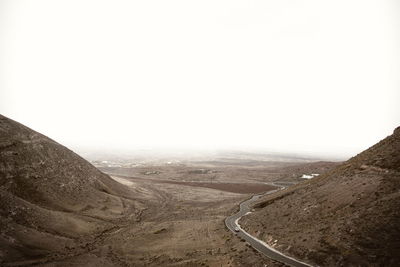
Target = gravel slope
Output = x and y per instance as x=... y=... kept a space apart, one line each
x=52 y=199
x=349 y=216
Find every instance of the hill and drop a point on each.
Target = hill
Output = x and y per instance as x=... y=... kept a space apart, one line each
x=349 y=216
x=52 y=200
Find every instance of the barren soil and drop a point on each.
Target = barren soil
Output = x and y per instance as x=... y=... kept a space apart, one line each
x=174 y=223
x=348 y=216
x=59 y=210
x=183 y=223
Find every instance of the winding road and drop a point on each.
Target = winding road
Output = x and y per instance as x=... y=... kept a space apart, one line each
x=232 y=222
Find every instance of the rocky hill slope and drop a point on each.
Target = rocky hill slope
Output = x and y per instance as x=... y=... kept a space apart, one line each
x=52 y=200
x=350 y=216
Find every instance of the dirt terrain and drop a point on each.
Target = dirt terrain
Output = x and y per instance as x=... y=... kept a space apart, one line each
x=349 y=216
x=59 y=210
x=52 y=201
x=183 y=223
x=246 y=173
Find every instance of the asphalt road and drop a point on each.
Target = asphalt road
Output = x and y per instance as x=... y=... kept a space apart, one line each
x=232 y=223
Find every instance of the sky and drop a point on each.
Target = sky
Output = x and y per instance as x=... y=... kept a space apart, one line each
x=317 y=77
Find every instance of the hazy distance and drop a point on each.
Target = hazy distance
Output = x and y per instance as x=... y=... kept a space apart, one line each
x=292 y=76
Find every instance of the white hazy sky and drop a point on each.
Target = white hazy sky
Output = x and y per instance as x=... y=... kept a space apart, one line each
x=293 y=76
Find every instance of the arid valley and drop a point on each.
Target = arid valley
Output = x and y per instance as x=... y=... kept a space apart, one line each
x=199 y=133
x=58 y=209
x=187 y=203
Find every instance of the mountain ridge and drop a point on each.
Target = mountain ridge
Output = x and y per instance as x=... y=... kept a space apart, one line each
x=347 y=216
x=51 y=198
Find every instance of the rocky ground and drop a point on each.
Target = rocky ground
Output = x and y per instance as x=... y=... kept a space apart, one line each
x=59 y=210
x=177 y=225
x=349 y=216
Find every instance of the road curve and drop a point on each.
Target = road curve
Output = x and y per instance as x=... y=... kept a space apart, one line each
x=232 y=222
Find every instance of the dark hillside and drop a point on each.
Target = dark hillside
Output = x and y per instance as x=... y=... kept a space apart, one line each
x=51 y=198
x=350 y=216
